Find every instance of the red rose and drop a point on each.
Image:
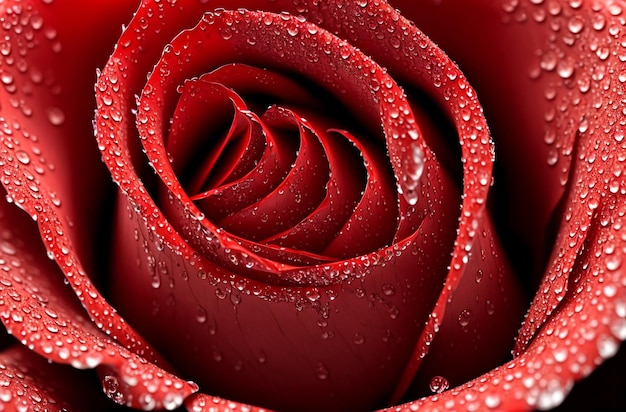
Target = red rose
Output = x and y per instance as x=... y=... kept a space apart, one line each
x=306 y=211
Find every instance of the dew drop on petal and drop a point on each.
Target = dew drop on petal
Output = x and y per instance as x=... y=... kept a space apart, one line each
x=388 y=289
x=551 y=397
x=492 y=401
x=548 y=61
x=438 y=384
x=613 y=262
x=560 y=354
x=618 y=328
x=321 y=371
x=576 y=24
x=620 y=308
x=465 y=317
x=607 y=346
x=479 y=276
x=565 y=68
x=201 y=315
x=22 y=157
x=56 y=116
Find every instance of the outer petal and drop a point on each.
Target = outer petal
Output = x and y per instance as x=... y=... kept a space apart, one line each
x=48 y=64
x=43 y=314
x=581 y=76
x=583 y=332
x=499 y=45
x=30 y=382
x=40 y=112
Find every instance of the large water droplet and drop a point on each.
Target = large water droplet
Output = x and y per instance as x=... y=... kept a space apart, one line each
x=607 y=346
x=56 y=116
x=321 y=371
x=492 y=401
x=479 y=276
x=465 y=317
x=439 y=384
x=201 y=315
x=22 y=157
x=613 y=262
x=565 y=68
x=576 y=24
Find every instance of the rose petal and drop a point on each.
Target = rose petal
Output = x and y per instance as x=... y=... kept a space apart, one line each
x=442 y=79
x=584 y=330
x=500 y=48
x=586 y=109
x=30 y=382
x=36 y=183
x=49 y=65
x=597 y=153
x=28 y=192
x=467 y=343
x=43 y=313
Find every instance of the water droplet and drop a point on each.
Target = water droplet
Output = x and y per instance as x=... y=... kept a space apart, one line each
x=492 y=401
x=553 y=157
x=548 y=61
x=576 y=24
x=36 y=21
x=509 y=6
x=551 y=397
x=235 y=298
x=609 y=290
x=607 y=346
x=618 y=328
x=489 y=307
x=598 y=22
x=201 y=315
x=321 y=371
x=7 y=248
x=56 y=116
x=156 y=281
x=5 y=48
x=613 y=262
x=465 y=317
x=439 y=384
x=388 y=289
x=22 y=157
x=6 y=78
x=565 y=68
x=479 y=276
x=560 y=354
x=293 y=31
x=620 y=308
x=575 y=4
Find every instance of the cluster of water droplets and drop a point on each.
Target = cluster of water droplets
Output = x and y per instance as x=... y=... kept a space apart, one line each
x=581 y=66
x=24 y=384
x=38 y=310
x=21 y=78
